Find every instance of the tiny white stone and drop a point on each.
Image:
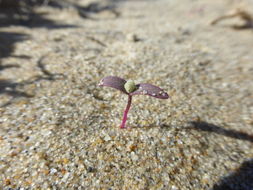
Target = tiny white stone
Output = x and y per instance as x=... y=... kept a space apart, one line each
x=53 y=170
x=66 y=176
x=107 y=138
x=153 y=94
x=173 y=187
x=134 y=157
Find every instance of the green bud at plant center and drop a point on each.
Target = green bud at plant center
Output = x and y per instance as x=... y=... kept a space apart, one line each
x=130 y=86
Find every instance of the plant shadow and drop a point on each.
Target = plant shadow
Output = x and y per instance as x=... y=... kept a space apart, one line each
x=15 y=89
x=85 y=11
x=241 y=179
x=22 y=13
x=204 y=126
x=8 y=40
x=12 y=88
x=8 y=87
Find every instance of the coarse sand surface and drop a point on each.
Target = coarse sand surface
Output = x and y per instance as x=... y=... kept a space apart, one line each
x=60 y=130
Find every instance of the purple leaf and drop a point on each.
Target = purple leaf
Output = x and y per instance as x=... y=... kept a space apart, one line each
x=150 y=90
x=114 y=82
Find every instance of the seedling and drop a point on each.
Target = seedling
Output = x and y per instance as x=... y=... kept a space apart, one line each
x=240 y=13
x=130 y=88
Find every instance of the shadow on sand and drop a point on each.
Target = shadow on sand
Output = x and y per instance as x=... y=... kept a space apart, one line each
x=241 y=179
x=204 y=126
x=11 y=88
x=22 y=13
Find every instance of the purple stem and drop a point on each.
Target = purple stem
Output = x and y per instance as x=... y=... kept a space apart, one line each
x=122 y=126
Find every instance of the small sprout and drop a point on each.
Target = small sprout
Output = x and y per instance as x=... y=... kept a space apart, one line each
x=237 y=13
x=131 y=89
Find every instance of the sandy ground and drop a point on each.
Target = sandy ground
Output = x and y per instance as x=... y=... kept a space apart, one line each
x=59 y=130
